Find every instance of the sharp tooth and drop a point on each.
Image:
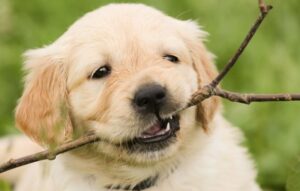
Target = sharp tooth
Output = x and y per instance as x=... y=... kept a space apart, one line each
x=168 y=127
x=171 y=117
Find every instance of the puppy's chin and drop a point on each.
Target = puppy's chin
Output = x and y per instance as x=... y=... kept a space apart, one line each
x=147 y=156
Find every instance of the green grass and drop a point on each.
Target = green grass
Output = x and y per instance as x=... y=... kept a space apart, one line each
x=270 y=64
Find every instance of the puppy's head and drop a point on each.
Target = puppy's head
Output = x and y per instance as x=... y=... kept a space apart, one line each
x=122 y=72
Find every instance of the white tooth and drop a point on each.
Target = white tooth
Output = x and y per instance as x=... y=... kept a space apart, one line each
x=171 y=117
x=168 y=127
x=145 y=136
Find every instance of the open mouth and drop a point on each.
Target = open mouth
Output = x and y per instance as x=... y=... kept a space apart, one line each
x=157 y=137
x=161 y=131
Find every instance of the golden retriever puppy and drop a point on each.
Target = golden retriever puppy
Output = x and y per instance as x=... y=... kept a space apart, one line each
x=124 y=72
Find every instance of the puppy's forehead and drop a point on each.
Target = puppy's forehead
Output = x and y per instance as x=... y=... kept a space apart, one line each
x=123 y=27
x=121 y=22
x=121 y=15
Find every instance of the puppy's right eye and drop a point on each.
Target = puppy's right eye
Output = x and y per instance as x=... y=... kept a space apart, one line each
x=101 y=72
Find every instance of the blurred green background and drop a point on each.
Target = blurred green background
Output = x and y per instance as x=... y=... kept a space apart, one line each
x=270 y=64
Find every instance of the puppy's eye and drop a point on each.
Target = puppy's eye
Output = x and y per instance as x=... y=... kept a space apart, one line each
x=171 y=58
x=101 y=72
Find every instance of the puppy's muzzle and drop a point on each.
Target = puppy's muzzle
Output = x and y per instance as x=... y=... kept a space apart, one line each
x=150 y=98
x=153 y=100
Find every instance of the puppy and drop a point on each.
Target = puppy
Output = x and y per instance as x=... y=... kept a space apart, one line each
x=125 y=72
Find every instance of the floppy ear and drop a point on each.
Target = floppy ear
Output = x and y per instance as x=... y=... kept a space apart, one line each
x=206 y=71
x=42 y=112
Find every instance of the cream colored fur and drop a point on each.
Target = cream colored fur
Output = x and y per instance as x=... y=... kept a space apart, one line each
x=61 y=102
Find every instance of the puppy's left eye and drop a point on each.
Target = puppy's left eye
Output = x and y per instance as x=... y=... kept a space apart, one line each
x=101 y=72
x=171 y=58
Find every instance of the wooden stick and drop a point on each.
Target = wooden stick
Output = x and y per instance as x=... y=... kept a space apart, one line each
x=48 y=154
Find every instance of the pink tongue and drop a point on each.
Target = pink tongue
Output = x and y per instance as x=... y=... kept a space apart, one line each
x=153 y=130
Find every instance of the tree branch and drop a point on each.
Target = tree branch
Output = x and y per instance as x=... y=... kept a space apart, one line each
x=243 y=45
x=48 y=154
x=249 y=98
x=212 y=89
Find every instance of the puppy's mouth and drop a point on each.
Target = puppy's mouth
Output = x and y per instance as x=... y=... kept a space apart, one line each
x=157 y=137
x=161 y=131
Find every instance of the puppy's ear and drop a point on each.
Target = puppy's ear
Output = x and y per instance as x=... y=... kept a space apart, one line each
x=42 y=112
x=206 y=71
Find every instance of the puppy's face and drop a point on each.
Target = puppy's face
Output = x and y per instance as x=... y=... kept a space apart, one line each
x=122 y=72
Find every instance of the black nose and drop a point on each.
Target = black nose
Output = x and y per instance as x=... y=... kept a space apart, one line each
x=149 y=98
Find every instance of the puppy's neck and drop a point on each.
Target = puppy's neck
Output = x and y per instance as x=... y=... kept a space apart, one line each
x=147 y=183
x=116 y=174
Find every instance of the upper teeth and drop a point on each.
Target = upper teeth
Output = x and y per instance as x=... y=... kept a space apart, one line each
x=168 y=127
x=165 y=130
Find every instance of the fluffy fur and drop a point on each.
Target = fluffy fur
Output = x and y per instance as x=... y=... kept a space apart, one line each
x=61 y=102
